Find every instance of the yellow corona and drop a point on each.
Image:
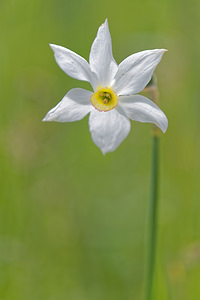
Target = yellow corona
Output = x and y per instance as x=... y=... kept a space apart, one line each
x=104 y=99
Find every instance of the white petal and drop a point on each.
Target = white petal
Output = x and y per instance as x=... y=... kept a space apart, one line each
x=74 y=65
x=73 y=107
x=108 y=129
x=101 y=57
x=140 y=108
x=135 y=71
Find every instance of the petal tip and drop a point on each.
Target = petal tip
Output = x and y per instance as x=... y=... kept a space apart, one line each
x=164 y=51
x=104 y=151
x=45 y=119
x=105 y=24
x=160 y=51
x=53 y=46
x=164 y=125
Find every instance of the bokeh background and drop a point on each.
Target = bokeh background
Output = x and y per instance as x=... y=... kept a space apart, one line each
x=73 y=222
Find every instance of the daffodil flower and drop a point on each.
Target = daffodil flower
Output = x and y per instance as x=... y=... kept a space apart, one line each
x=114 y=99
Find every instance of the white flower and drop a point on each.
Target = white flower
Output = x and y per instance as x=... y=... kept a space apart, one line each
x=113 y=101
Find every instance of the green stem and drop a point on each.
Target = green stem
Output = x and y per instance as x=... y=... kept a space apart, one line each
x=152 y=226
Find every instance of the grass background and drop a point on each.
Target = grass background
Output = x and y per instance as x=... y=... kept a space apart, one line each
x=72 y=222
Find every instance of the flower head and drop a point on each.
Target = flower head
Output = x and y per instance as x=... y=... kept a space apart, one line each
x=114 y=99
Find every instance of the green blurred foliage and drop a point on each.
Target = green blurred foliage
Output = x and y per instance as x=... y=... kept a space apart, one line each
x=73 y=222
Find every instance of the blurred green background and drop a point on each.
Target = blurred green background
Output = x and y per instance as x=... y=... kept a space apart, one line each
x=73 y=223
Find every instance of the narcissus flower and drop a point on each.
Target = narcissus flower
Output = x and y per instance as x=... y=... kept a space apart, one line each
x=113 y=101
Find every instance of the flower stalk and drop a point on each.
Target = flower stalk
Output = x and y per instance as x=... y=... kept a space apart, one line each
x=152 y=225
x=153 y=204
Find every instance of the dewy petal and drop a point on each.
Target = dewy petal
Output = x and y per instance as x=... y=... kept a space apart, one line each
x=108 y=129
x=135 y=71
x=74 y=65
x=101 y=57
x=140 y=108
x=73 y=107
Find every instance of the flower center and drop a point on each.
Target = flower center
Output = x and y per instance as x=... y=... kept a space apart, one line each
x=104 y=99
